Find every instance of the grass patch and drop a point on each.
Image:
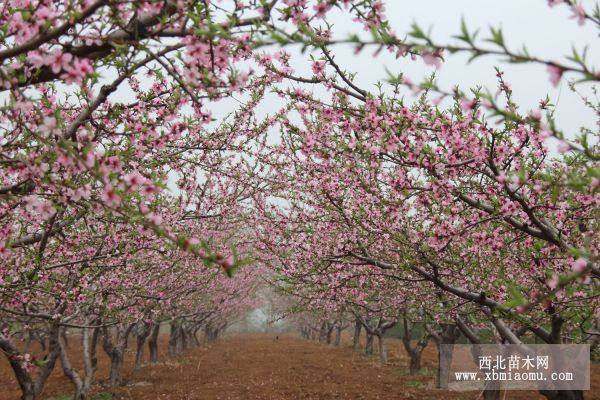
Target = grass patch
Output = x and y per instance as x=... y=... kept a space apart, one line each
x=415 y=384
x=399 y=372
x=103 y=396
x=427 y=372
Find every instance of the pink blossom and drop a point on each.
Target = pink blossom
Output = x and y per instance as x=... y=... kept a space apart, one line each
x=89 y=159
x=154 y=218
x=467 y=104
x=35 y=58
x=58 y=61
x=77 y=72
x=578 y=13
x=431 y=58
x=43 y=14
x=134 y=179
x=555 y=74
x=44 y=208
x=48 y=127
x=227 y=263
x=149 y=190
x=553 y=282
x=16 y=22
x=26 y=361
x=80 y=193
x=536 y=114
x=579 y=265
x=4 y=251
x=110 y=197
x=545 y=134
x=318 y=67
x=64 y=160
x=563 y=147
x=352 y=143
x=321 y=9
x=436 y=101
x=487 y=104
x=310 y=141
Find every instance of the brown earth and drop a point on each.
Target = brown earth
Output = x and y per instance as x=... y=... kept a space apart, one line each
x=259 y=366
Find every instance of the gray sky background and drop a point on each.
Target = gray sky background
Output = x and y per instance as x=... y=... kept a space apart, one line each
x=547 y=32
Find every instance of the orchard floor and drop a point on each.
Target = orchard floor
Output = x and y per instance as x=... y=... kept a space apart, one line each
x=259 y=366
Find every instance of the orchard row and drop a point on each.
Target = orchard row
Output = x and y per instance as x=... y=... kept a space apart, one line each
x=127 y=200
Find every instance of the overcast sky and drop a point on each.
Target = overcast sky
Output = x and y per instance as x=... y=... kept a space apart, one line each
x=547 y=32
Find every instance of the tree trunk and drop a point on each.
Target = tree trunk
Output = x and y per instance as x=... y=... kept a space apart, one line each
x=116 y=351
x=28 y=395
x=31 y=387
x=382 y=349
x=303 y=333
x=369 y=345
x=30 y=339
x=448 y=335
x=210 y=333
x=338 y=336
x=562 y=394
x=323 y=332
x=329 y=333
x=153 y=343
x=116 y=365
x=89 y=361
x=64 y=338
x=82 y=384
x=356 y=338
x=139 y=352
x=42 y=339
x=195 y=336
x=141 y=337
x=413 y=352
x=173 y=349
x=491 y=394
x=415 y=361
x=444 y=362
x=24 y=380
x=490 y=391
x=183 y=340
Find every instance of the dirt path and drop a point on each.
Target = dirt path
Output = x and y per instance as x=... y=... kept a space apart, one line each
x=261 y=367
x=257 y=366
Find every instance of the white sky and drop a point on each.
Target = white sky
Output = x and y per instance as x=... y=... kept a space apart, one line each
x=547 y=32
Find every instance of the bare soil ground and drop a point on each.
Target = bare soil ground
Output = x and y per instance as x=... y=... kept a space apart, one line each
x=258 y=366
